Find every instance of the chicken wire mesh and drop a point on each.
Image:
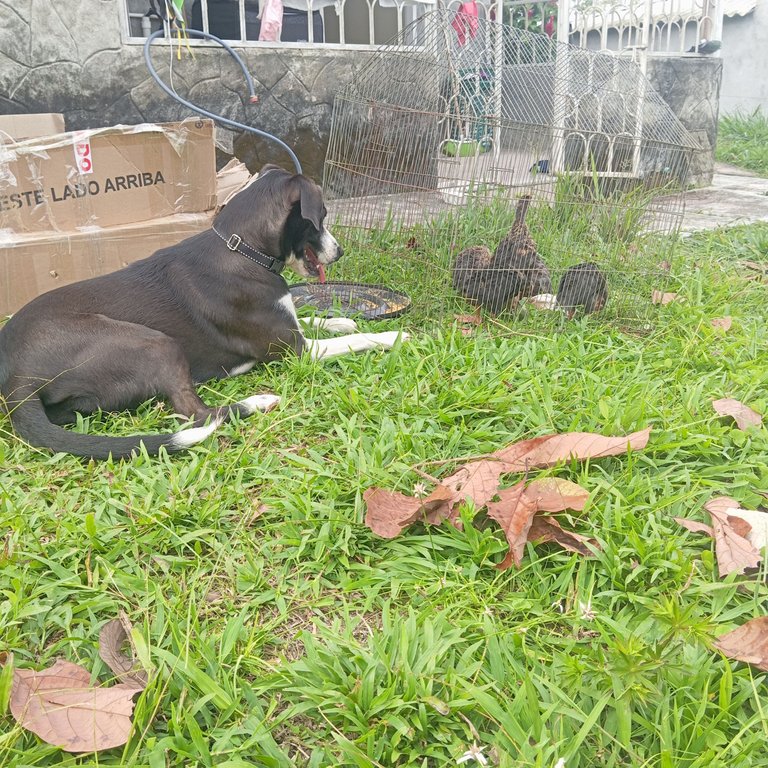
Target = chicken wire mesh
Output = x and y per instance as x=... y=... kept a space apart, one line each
x=473 y=164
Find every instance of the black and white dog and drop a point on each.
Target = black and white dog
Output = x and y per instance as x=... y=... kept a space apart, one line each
x=210 y=307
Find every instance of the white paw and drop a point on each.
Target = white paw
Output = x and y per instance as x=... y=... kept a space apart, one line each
x=339 y=325
x=387 y=339
x=189 y=437
x=263 y=403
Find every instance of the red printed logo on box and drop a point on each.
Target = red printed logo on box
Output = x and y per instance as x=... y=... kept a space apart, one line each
x=83 y=158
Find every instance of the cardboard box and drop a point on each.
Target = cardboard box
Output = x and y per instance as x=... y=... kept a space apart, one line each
x=107 y=177
x=20 y=127
x=34 y=262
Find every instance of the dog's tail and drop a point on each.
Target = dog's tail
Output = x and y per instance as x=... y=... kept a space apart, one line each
x=31 y=423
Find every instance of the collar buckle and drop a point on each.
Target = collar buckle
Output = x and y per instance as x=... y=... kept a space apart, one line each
x=233 y=242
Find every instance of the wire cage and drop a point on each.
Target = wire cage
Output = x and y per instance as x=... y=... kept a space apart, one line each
x=473 y=164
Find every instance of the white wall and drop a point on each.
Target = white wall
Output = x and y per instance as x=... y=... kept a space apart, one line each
x=745 y=62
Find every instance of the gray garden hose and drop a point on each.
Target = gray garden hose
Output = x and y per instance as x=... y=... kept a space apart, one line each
x=218 y=118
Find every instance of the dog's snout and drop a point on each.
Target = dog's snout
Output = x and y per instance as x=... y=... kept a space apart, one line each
x=339 y=252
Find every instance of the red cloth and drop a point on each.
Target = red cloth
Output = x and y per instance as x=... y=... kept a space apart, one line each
x=465 y=21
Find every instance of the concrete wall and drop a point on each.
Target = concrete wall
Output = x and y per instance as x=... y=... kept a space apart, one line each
x=75 y=61
x=745 y=62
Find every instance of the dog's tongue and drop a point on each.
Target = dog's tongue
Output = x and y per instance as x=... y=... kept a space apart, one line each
x=312 y=256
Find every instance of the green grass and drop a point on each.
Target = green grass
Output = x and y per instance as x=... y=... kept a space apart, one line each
x=282 y=632
x=742 y=139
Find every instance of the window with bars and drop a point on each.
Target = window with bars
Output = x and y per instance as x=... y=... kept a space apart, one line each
x=339 y=22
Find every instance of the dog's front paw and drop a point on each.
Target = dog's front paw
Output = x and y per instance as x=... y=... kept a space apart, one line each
x=339 y=324
x=263 y=403
x=387 y=339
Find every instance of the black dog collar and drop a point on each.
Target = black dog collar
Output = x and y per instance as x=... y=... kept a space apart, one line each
x=236 y=243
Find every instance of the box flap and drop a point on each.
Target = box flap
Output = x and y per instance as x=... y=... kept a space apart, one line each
x=20 y=127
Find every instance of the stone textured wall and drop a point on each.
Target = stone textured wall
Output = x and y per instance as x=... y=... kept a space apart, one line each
x=691 y=87
x=69 y=57
x=50 y=63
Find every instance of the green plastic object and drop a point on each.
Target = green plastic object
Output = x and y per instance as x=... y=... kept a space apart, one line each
x=465 y=147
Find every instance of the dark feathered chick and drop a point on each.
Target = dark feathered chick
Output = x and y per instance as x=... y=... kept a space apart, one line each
x=517 y=251
x=582 y=286
x=494 y=281
x=476 y=278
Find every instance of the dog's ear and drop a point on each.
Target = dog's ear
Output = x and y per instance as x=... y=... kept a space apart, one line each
x=306 y=192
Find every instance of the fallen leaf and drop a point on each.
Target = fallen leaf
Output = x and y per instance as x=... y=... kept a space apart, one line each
x=749 y=523
x=412 y=244
x=694 y=526
x=477 y=481
x=756 y=265
x=758 y=523
x=734 y=552
x=722 y=322
x=113 y=637
x=514 y=512
x=469 y=319
x=741 y=414
x=544 y=528
x=549 y=450
x=747 y=643
x=665 y=265
x=661 y=297
x=552 y=494
x=63 y=709
x=721 y=504
x=389 y=512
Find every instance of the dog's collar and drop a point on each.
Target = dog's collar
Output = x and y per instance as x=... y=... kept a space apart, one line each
x=236 y=243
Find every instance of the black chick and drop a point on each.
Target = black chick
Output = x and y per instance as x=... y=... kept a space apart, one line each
x=517 y=253
x=582 y=286
x=476 y=278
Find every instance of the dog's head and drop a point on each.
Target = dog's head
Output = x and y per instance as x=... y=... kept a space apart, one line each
x=283 y=214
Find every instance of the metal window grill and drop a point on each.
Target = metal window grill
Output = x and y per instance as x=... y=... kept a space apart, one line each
x=445 y=133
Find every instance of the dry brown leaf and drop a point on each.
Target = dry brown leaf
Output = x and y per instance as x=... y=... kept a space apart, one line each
x=721 y=504
x=113 y=637
x=722 y=322
x=389 y=512
x=62 y=708
x=662 y=297
x=545 y=529
x=514 y=512
x=756 y=521
x=749 y=523
x=477 y=481
x=474 y=319
x=552 y=494
x=549 y=450
x=665 y=265
x=735 y=553
x=743 y=415
x=747 y=643
x=694 y=526
x=756 y=265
